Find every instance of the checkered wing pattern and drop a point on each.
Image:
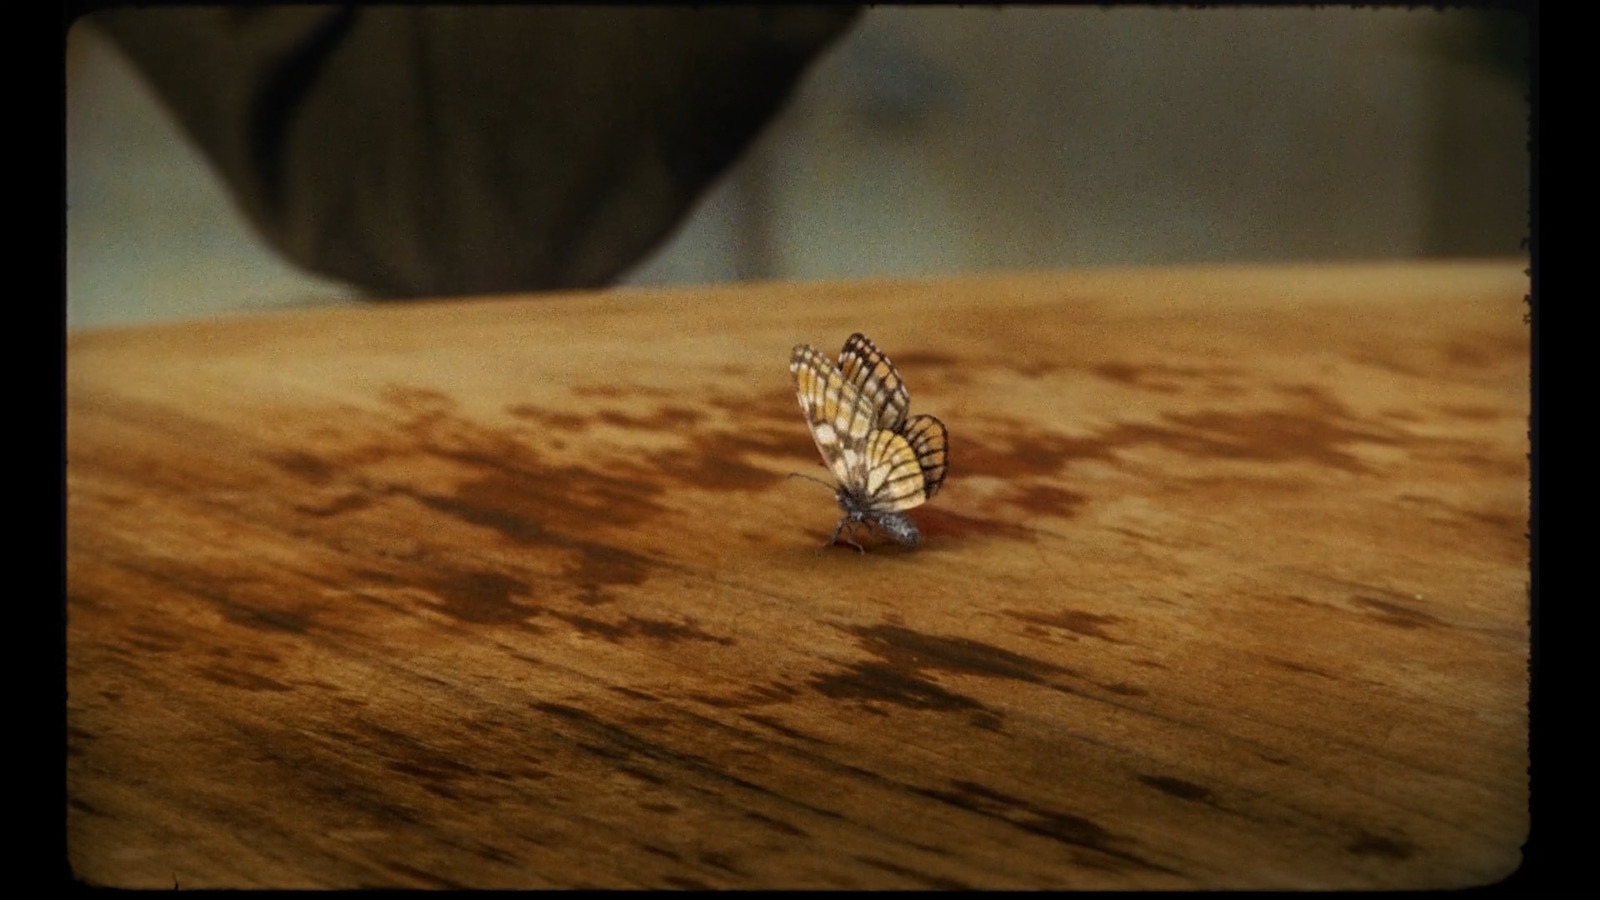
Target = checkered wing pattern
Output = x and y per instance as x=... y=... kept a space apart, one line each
x=839 y=417
x=894 y=480
x=866 y=367
x=926 y=437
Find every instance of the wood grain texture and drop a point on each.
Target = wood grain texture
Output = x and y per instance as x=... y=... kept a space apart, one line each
x=1226 y=588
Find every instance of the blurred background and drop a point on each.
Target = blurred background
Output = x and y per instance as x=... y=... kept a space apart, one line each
x=931 y=141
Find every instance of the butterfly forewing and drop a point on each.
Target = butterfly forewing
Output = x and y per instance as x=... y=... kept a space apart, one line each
x=866 y=367
x=839 y=418
x=928 y=440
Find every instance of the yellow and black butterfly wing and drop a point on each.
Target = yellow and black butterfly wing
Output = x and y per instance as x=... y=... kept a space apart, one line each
x=839 y=417
x=892 y=478
x=929 y=442
x=877 y=380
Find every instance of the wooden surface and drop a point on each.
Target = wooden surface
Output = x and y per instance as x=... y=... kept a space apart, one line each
x=1226 y=588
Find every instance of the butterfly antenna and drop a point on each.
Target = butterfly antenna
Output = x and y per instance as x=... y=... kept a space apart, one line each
x=809 y=478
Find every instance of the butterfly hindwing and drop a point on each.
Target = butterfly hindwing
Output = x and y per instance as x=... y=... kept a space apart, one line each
x=894 y=480
x=929 y=441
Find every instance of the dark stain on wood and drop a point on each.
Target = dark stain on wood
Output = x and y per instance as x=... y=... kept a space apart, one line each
x=417 y=401
x=1368 y=844
x=1264 y=436
x=426 y=878
x=762 y=695
x=637 y=626
x=662 y=852
x=1316 y=429
x=897 y=677
x=343 y=503
x=550 y=419
x=1502 y=523
x=433 y=770
x=643 y=775
x=987 y=720
x=914 y=651
x=599 y=567
x=256 y=612
x=620 y=744
x=774 y=725
x=1013 y=449
x=260 y=619
x=511 y=525
x=777 y=407
x=1470 y=356
x=493 y=854
x=1164 y=378
x=1395 y=613
x=610 y=391
x=433 y=780
x=477 y=596
x=591 y=568
x=248 y=681
x=698 y=469
x=1125 y=689
x=936 y=882
x=1293 y=666
x=1066 y=828
x=719 y=460
x=1076 y=621
x=1470 y=413
x=1490 y=466
x=152 y=640
x=734 y=702
x=1177 y=787
x=720 y=861
x=635 y=694
x=575 y=496
x=713 y=458
x=1047 y=500
x=777 y=825
x=149 y=646
x=666 y=418
x=305 y=466
x=519 y=494
x=873 y=681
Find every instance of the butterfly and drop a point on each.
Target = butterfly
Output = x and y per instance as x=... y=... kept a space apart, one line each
x=884 y=460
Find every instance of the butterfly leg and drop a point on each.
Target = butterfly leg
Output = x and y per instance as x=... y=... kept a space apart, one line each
x=848 y=528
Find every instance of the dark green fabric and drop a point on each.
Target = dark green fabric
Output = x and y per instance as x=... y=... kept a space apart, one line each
x=418 y=151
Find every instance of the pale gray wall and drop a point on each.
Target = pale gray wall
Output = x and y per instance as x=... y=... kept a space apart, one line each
x=943 y=140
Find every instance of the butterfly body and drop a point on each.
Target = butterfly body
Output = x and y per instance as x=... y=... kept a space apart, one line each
x=858 y=511
x=883 y=461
